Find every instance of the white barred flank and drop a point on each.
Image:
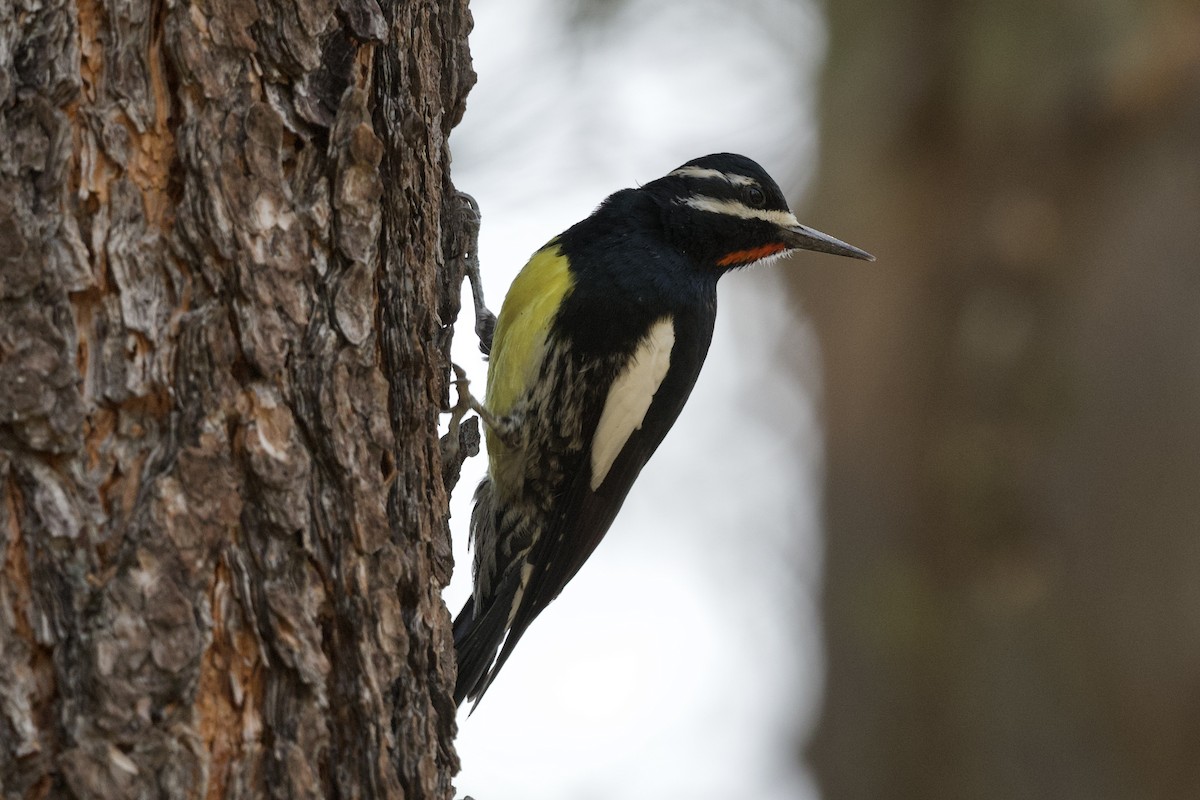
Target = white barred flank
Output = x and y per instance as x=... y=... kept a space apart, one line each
x=629 y=397
x=736 y=208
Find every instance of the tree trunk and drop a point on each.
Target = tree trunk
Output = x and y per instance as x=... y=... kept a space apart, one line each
x=1011 y=392
x=229 y=263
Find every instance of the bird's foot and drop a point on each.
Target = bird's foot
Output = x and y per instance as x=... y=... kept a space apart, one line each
x=485 y=320
x=461 y=440
x=505 y=428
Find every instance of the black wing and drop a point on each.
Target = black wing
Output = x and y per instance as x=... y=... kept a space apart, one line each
x=582 y=516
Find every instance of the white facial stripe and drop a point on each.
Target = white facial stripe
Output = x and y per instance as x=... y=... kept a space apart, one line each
x=629 y=397
x=736 y=208
x=704 y=172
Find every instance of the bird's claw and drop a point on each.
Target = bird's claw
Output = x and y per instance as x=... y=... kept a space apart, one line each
x=485 y=325
x=503 y=427
x=485 y=320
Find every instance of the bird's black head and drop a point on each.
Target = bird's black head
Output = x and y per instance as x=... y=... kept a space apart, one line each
x=725 y=211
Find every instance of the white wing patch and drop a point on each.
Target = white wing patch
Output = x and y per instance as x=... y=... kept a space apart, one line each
x=629 y=397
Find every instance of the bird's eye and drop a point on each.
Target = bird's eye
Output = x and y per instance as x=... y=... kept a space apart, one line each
x=755 y=197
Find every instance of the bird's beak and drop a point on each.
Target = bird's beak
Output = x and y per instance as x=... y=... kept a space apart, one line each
x=801 y=237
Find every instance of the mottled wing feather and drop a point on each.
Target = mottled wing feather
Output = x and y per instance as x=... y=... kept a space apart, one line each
x=517 y=356
x=583 y=515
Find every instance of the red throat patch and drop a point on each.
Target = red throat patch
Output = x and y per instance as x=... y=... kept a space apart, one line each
x=738 y=257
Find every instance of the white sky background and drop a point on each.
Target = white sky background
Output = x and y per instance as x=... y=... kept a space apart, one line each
x=684 y=660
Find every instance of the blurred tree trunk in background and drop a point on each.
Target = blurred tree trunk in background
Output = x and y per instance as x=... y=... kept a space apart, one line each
x=1012 y=398
x=228 y=246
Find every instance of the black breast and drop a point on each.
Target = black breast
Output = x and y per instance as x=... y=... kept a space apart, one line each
x=626 y=277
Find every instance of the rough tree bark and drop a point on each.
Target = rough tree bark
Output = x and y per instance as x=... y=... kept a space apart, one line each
x=228 y=264
x=1011 y=394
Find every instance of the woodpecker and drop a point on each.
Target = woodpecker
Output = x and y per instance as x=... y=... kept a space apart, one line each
x=597 y=347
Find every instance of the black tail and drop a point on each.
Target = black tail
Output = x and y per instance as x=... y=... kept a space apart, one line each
x=482 y=625
x=476 y=642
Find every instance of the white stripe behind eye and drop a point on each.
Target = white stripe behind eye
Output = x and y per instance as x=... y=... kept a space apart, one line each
x=736 y=208
x=716 y=174
x=629 y=397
